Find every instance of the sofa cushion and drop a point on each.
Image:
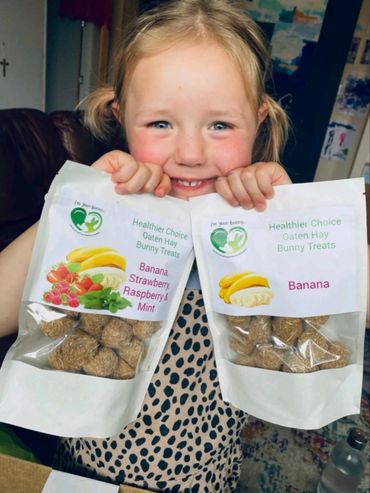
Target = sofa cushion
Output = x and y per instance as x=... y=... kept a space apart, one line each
x=77 y=141
x=33 y=147
x=31 y=153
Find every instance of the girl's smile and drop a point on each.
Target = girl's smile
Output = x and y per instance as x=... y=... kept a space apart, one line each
x=190 y=185
x=187 y=111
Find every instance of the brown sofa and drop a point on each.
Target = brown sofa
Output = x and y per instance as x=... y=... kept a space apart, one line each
x=33 y=146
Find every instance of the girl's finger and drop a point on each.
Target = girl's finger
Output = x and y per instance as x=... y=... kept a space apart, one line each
x=154 y=179
x=112 y=161
x=164 y=186
x=136 y=183
x=223 y=188
x=239 y=187
x=264 y=182
x=127 y=170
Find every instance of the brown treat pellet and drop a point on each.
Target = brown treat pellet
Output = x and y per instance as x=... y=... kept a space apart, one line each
x=246 y=359
x=241 y=345
x=316 y=322
x=286 y=330
x=93 y=323
x=263 y=318
x=260 y=329
x=238 y=324
x=239 y=332
x=269 y=357
x=132 y=352
x=58 y=327
x=313 y=335
x=116 y=333
x=74 y=352
x=294 y=363
x=123 y=371
x=338 y=353
x=102 y=364
x=313 y=347
x=55 y=359
x=144 y=329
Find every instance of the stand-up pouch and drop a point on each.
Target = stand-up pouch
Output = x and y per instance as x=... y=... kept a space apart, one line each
x=285 y=294
x=105 y=281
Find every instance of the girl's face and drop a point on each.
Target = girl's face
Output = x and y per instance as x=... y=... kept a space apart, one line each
x=187 y=111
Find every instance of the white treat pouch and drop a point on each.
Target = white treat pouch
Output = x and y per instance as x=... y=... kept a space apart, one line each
x=285 y=294
x=105 y=281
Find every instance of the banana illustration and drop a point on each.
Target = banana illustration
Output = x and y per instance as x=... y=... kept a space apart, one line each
x=245 y=289
x=243 y=282
x=228 y=280
x=82 y=253
x=222 y=292
x=103 y=259
x=254 y=296
x=112 y=276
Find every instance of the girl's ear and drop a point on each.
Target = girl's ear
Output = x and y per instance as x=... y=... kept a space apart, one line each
x=262 y=112
x=116 y=111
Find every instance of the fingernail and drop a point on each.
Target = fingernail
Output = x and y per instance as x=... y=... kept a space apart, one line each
x=159 y=192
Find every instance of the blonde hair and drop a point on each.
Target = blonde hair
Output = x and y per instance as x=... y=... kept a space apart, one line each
x=222 y=21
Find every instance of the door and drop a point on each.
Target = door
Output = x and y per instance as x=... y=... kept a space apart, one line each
x=22 y=53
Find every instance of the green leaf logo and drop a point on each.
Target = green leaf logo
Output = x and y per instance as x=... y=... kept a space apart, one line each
x=229 y=242
x=86 y=222
x=78 y=216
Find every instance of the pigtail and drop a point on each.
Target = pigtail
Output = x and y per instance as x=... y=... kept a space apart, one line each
x=272 y=133
x=98 y=113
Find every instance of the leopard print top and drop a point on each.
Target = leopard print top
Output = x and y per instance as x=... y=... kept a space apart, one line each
x=186 y=438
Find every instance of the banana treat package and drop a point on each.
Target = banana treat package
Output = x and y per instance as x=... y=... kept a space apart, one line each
x=285 y=294
x=105 y=281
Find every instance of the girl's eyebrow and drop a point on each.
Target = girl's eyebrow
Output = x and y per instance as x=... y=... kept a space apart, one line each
x=212 y=113
x=149 y=110
x=226 y=112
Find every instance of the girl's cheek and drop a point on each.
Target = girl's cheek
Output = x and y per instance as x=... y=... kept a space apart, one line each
x=147 y=149
x=235 y=152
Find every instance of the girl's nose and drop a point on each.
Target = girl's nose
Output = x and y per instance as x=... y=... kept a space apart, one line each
x=190 y=150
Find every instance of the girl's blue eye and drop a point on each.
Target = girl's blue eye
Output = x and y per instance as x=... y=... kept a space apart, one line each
x=220 y=126
x=161 y=124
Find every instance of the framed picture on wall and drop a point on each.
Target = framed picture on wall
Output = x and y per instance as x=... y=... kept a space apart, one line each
x=365 y=57
x=353 y=50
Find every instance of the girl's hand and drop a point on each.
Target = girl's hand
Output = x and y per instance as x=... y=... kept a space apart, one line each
x=131 y=176
x=250 y=186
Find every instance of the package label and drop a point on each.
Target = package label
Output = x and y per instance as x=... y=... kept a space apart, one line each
x=110 y=258
x=282 y=262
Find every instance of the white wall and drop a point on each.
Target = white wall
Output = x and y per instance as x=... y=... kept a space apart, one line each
x=22 y=45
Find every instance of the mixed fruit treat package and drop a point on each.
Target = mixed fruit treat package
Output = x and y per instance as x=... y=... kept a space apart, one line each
x=105 y=281
x=285 y=294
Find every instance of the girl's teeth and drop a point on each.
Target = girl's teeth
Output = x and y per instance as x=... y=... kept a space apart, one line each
x=186 y=183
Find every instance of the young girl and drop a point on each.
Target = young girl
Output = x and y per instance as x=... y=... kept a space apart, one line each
x=189 y=94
